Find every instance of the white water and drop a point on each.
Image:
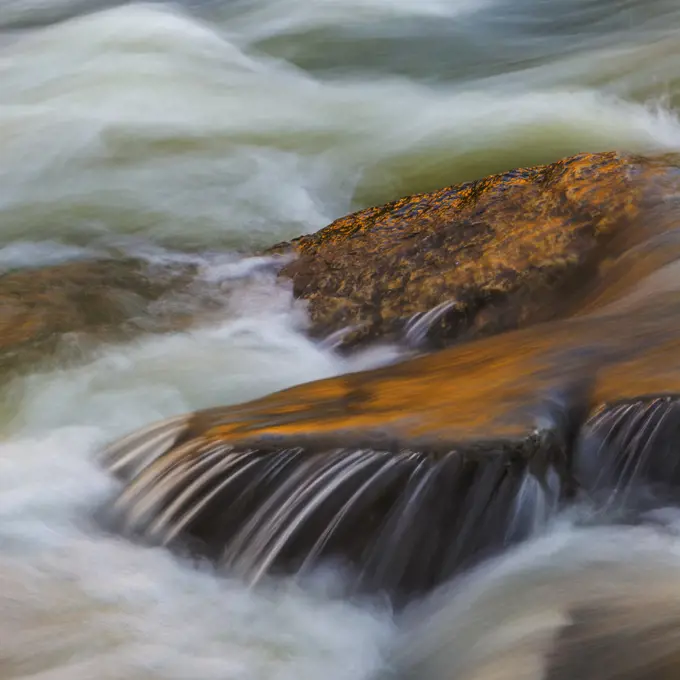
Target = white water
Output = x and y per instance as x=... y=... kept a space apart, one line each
x=221 y=125
x=75 y=603
x=142 y=120
x=502 y=620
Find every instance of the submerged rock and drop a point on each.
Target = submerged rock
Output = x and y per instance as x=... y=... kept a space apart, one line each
x=415 y=471
x=66 y=308
x=96 y=298
x=490 y=255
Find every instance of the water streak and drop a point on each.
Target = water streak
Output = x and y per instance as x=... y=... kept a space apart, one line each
x=575 y=603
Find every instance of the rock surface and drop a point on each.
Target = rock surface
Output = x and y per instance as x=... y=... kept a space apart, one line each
x=494 y=254
x=100 y=298
x=415 y=471
x=469 y=261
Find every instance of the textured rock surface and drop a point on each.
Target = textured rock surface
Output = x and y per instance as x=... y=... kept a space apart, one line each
x=504 y=251
x=493 y=255
x=415 y=471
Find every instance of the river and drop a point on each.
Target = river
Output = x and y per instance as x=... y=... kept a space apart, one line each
x=205 y=130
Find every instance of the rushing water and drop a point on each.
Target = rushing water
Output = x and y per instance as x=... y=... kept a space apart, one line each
x=226 y=125
x=577 y=602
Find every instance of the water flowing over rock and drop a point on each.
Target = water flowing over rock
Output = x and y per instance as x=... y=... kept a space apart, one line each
x=415 y=471
x=62 y=310
x=95 y=298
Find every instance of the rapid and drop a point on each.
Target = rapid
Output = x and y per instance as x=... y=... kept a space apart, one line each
x=202 y=131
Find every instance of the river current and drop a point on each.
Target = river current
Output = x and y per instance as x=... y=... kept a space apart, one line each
x=202 y=131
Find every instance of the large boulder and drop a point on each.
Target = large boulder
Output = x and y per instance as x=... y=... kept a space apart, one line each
x=498 y=253
x=414 y=471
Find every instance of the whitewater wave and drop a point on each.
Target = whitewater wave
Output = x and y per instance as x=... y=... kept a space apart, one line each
x=580 y=601
x=79 y=602
x=142 y=120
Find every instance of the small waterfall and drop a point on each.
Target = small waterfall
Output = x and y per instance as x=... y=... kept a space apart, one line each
x=415 y=472
x=628 y=443
x=406 y=520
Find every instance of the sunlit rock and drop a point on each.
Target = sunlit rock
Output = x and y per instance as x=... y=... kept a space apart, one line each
x=416 y=471
x=491 y=255
x=56 y=313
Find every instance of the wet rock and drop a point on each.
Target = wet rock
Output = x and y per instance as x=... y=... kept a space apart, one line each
x=415 y=471
x=109 y=299
x=491 y=255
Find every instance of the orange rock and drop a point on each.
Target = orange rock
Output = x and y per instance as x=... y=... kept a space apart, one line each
x=504 y=251
x=415 y=471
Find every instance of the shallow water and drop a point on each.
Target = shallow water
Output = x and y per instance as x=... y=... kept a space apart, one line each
x=206 y=130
